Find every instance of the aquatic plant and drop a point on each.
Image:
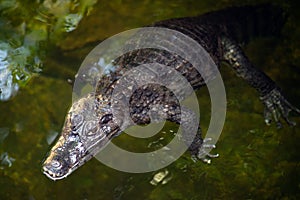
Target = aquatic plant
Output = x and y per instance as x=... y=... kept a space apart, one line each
x=26 y=29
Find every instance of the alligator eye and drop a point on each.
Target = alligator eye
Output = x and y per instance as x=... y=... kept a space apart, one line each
x=91 y=128
x=106 y=118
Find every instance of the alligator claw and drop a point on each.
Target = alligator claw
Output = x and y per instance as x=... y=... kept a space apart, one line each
x=277 y=106
x=203 y=153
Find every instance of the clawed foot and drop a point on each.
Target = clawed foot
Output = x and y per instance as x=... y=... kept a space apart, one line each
x=203 y=153
x=276 y=106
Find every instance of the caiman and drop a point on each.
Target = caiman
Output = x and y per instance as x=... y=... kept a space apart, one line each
x=90 y=123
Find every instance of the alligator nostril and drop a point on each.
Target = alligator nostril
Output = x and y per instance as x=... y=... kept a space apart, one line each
x=56 y=164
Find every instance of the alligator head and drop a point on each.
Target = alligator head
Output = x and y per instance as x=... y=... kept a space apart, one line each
x=88 y=127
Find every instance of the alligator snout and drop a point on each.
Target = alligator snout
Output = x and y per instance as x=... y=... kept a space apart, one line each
x=56 y=169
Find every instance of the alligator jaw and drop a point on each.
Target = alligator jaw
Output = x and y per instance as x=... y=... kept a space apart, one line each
x=54 y=176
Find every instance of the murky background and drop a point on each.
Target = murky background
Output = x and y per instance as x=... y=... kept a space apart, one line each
x=256 y=161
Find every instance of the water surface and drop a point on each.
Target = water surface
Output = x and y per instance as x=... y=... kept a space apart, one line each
x=256 y=161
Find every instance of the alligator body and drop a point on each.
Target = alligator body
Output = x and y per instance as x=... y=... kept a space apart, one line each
x=90 y=123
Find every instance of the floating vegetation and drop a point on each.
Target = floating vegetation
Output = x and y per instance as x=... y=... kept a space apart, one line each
x=6 y=160
x=161 y=177
x=23 y=37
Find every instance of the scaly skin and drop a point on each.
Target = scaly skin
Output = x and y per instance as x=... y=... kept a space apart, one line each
x=90 y=123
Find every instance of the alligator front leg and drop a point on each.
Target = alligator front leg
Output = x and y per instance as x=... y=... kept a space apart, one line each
x=199 y=147
x=276 y=105
x=164 y=105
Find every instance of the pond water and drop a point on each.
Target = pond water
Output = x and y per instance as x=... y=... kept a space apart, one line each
x=256 y=161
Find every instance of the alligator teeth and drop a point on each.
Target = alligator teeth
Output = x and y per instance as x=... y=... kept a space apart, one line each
x=51 y=174
x=54 y=176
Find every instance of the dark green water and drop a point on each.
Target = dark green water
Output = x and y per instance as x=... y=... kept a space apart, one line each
x=256 y=161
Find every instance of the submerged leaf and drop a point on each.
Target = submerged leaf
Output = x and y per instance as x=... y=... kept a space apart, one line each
x=3 y=134
x=6 y=160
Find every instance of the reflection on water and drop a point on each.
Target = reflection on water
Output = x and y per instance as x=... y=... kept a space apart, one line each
x=23 y=36
x=256 y=161
x=7 y=87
